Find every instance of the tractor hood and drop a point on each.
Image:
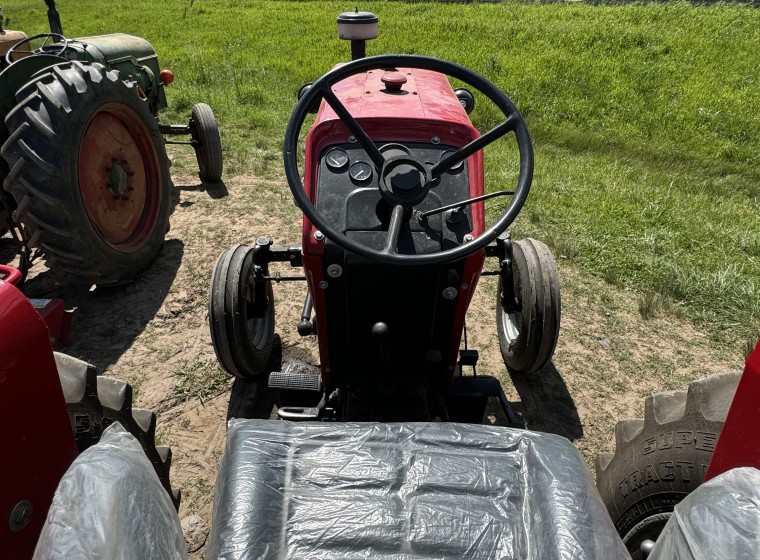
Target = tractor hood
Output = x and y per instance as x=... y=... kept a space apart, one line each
x=407 y=93
x=383 y=99
x=114 y=48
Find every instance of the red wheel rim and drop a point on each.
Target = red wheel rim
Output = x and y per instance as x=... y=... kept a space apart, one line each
x=120 y=177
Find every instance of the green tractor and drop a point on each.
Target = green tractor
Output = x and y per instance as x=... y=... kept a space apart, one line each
x=85 y=173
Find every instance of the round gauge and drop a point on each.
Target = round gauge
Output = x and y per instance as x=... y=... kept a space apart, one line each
x=336 y=159
x=394 y=150
x=360 y=172
x=456 y=167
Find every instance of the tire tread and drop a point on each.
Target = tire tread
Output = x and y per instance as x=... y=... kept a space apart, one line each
x=102 y=401
x=642 y=479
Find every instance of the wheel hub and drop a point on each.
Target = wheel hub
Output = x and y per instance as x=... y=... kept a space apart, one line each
x=405 y=181
x=118 y=179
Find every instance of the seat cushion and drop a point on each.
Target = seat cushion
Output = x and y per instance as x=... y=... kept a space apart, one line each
x=404 y=491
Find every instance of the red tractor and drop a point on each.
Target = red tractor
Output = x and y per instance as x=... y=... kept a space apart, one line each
x=53 y=406
x=393 y=246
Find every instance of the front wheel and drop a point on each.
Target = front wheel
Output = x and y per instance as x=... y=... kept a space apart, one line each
x=528 y=329
x=207 y=143
x=242 y=328
x=88 y=172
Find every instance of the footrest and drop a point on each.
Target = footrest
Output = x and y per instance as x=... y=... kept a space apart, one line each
x=298 y=413
x=295 y=381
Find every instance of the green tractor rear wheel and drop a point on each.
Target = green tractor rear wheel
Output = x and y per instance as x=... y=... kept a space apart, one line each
x=88 y=171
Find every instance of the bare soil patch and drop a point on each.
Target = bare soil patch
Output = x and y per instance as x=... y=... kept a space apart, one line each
x=154 y=334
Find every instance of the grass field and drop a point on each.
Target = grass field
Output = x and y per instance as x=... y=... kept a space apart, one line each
x=645 y=119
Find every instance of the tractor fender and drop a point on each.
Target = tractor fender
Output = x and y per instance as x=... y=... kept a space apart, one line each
x=38 y=444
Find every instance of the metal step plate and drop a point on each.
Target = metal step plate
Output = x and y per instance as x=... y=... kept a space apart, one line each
x=298 y=380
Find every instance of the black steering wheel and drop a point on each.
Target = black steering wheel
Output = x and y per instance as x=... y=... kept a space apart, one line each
x=402 y=196
x=52 y=49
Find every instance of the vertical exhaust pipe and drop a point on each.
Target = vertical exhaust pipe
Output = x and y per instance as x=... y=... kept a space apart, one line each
x=53 y=18
x=357 y=27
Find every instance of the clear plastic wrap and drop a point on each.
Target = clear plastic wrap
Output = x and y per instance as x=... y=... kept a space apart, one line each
x=110 y=505
x=720 y=520
x=403 y=491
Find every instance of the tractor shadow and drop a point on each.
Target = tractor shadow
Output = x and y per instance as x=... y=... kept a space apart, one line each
x=8 y=249
x=214 y=191
x=546 y=404
x=254 y=398
x=108 y=320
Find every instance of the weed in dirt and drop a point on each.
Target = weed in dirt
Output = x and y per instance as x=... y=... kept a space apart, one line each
x=564 y=247
x=200 y=380
x=649 y=304
x=199 y=492
x=612 y=277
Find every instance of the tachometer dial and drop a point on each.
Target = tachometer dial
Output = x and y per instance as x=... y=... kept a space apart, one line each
x=336 y=159
x=360 y=172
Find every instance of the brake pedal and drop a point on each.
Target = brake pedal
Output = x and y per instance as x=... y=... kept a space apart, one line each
x=295 y=381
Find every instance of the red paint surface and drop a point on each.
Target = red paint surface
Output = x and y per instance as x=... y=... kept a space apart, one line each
x=38 y=443
x=10 y=274
x=739 y=441
x=116 y=136
x=57 y=319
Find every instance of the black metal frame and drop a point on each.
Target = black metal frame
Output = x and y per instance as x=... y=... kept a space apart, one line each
x=468 y=396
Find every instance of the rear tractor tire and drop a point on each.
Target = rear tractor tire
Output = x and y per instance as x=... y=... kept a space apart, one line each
x=207 y=143
x=96 y=402
x=88 y=171
x=242 y=337
x=528 y=336
x=659 y=460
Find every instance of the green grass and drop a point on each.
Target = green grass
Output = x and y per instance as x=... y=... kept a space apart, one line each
x=198 y=380
x=645 y=118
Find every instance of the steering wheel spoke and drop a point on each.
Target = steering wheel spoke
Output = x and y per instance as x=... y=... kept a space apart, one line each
x=509 y=125
x=364 y=141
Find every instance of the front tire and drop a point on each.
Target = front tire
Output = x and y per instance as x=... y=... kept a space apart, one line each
x=528 y=336
x=207 y=143
x=242 y=338
x=88 y=171
x=659 y=460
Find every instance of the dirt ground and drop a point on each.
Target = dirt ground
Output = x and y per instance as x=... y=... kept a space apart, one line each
x=154 y=334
